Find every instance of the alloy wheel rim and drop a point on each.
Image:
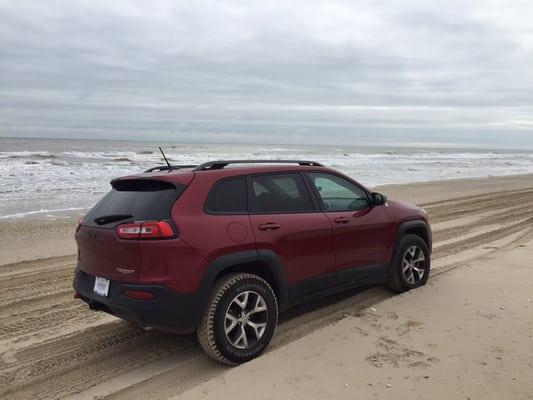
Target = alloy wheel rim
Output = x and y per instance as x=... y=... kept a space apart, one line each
x=246 y=319
x=414 y=265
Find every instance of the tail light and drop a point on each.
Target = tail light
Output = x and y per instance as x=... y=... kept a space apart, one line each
x=145 y=230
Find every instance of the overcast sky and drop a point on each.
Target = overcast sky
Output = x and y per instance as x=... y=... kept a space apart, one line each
x=354 y=72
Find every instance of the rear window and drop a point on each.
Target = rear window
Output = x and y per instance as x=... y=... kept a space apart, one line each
x=228 y=197
x=134 y=200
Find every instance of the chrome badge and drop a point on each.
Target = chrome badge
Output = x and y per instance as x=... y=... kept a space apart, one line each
x=125 y=270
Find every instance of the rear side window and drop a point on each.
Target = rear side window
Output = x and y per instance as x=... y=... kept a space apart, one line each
x=282 y=193
x=134 y=200
x=228 y=197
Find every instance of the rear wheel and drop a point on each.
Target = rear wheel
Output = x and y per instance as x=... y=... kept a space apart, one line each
x=411 y=267
x=240 y=320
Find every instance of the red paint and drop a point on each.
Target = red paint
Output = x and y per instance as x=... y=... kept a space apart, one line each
x=308 y=244
x=302 y=242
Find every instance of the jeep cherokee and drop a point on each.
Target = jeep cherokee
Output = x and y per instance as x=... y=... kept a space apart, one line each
x=223 y=247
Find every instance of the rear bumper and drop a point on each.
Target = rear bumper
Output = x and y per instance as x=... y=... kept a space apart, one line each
x=168 y=311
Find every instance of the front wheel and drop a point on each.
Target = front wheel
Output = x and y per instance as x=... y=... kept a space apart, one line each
x=240 y=320
x=411 y=267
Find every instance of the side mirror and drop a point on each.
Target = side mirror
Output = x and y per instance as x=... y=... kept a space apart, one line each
x=378 y=199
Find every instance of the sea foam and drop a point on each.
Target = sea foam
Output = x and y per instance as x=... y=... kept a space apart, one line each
x=57 y=176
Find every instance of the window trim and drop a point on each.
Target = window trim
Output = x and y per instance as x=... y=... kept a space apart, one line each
x=214 y=185
x=316 y=200
x=319 y=198
x=316 y=208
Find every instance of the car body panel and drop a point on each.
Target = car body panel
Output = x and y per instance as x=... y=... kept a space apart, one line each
x=363 y=240
x=102 y=253
x=303 y=243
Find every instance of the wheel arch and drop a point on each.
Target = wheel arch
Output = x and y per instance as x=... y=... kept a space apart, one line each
x=416 y=227
x=263 y=263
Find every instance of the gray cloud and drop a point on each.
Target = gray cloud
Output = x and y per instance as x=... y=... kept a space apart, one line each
x=355 y=71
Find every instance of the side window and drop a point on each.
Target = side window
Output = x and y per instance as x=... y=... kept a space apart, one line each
x=227 y=197
x=338 y=194
x=282 y=193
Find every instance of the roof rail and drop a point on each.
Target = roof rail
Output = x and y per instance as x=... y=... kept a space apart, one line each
x=223 y=163
x=168 y=168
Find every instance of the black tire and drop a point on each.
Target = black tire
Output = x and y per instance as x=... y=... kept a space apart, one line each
x=398 y=281
x=211 y=330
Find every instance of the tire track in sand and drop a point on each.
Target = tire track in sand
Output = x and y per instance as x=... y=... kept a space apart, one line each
x=99 y=356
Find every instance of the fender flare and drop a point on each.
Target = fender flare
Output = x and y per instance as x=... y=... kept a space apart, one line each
x=268 y=257
x=278 y=272
x=400 y=233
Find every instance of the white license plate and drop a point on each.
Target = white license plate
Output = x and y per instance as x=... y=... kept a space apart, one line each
x=101 y=286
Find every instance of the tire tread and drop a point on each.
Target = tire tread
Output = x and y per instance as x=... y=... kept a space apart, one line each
x=395 y=282
x=205 y=331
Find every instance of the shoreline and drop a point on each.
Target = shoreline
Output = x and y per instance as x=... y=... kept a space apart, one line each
x=43 y=177
x=74 y=213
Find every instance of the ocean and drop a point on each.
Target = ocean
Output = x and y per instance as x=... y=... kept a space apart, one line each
x=51 y=178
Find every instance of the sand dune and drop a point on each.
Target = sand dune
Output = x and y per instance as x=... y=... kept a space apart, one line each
x=52 y=346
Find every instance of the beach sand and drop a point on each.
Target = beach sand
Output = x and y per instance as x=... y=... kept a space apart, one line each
x=467 y=334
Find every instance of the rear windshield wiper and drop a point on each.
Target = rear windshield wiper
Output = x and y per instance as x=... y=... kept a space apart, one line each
x=107 y=219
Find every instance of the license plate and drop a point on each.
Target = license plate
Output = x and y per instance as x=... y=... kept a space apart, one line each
x=101 y=286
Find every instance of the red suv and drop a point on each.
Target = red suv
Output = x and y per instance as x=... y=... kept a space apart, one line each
x=223 y=247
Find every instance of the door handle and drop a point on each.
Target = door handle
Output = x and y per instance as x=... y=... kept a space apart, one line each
x=269 y=227
x=341 y=220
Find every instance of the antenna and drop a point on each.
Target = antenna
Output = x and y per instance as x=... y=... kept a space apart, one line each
x=165 y=157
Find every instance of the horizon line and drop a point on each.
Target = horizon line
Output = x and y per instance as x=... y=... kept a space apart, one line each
x=418 y=145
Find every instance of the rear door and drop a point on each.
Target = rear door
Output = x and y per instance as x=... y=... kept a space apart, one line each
x=100 y=251
x=285 y=220
x=361 y=233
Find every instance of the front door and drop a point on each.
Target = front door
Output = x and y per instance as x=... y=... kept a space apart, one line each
x=362 y=233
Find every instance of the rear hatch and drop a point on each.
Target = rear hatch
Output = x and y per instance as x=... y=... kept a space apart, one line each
x=101 y=252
